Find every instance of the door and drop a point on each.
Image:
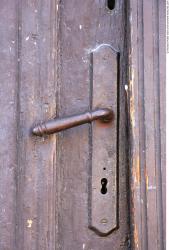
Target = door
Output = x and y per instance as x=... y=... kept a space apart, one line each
x=56 y=59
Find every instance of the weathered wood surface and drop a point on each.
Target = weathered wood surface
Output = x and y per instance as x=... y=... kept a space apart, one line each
x=28 y=95
x=147 y=120
x=82 y=28
x=44 y=72
x=8 y=124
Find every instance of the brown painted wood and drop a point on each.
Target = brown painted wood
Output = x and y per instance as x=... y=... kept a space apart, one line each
x=27 y=95
x=8 y=124
x=36 y=169
x=147 y=123
x=44 y=71
x=82 y=29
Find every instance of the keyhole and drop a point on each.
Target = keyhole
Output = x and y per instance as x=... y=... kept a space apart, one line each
x=111 y=4
x=104 y=184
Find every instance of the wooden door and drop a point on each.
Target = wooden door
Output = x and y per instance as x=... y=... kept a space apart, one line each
x=45 y=73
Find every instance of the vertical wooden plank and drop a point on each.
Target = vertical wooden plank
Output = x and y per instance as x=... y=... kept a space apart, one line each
x=159 y=119
x=147 y=130
x=162 y=98
x=83 y=26
x=135 y=194
x=8 y=124
x=37 y=101
x=150 y=141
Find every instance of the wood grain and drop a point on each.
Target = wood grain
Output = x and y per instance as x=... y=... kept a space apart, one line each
x=37 y=101
x=82 y=28
x=45 y=50
x=147 y=120
x=8 y=124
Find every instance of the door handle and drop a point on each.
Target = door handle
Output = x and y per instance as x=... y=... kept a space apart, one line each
x=102 y=139
x=60 y=124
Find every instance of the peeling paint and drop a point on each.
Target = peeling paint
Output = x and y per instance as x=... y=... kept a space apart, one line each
x=29 y=223
x=136 y=236
x=27 y=38
x=151 y=188
x=147 y=182
x=136 y=171
x=131 y=84
x=126 y=87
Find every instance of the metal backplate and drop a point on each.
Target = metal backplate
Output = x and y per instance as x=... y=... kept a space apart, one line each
x=103 y=184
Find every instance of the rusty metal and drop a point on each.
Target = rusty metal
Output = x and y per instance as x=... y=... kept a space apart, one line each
x=60 y=124
x=103 y=185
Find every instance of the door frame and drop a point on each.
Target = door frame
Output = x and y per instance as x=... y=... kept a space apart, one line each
x=146 y=106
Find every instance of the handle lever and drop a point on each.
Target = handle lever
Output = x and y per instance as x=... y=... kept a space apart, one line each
x=60 y=124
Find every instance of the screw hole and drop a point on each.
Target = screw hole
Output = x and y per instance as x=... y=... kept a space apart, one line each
x=104 y=168
x=111 y=4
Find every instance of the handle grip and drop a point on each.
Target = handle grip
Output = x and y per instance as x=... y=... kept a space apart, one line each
x=60 y=124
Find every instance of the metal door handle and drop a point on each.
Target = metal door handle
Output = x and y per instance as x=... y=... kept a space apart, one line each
x=103 y=138
x=60 y=124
